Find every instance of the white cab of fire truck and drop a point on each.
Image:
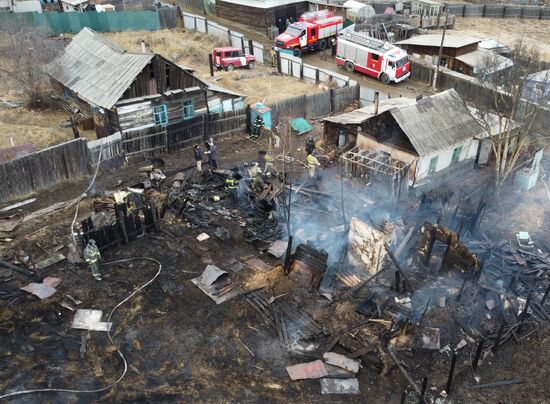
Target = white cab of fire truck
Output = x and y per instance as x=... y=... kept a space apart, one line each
x=373 y=57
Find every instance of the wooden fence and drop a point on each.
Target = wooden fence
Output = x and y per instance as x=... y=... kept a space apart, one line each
x=158 y=140
x=314 y=106
x=43 y=169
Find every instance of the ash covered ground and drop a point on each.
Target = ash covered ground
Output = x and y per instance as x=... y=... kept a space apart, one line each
x=180 y=345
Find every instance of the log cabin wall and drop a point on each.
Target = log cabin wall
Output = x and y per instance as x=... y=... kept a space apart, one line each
x=159 y=76
x=139 y=113
x=259 y=17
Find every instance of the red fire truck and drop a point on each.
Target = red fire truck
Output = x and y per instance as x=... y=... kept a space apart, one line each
x=313 y=31
x=371 y=56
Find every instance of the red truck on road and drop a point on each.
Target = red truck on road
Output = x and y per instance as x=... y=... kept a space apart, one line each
x=313 y=31
x=230 y=58
x=371 y=56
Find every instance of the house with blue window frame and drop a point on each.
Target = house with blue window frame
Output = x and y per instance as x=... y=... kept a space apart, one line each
x=115 y=91
x=423 y=141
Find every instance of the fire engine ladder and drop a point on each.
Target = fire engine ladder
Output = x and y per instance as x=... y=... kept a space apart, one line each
x=315 y=15
x=361 y=39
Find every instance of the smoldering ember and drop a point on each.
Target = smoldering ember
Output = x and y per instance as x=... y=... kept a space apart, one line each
x=238 y=201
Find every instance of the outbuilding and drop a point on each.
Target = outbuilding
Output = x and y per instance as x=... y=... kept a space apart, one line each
x=261 y=13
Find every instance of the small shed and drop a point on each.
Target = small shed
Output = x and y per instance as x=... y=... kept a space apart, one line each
x=74 y=5
x=537 y=88
x=427 y=47
x=261 y=13
x=426 y=8
x=482 y=63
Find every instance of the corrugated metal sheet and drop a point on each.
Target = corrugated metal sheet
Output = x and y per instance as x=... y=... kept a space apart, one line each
x=451 y=41
x=435 y=123
x=96 y=69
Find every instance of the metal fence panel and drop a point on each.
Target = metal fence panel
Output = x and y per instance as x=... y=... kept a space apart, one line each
x=201 y=24
x=189 y=21
x=218 y=30
x=258 y=50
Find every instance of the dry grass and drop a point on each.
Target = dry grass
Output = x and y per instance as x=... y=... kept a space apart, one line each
x=40 y=128
x=508 y=31
x=192 y=48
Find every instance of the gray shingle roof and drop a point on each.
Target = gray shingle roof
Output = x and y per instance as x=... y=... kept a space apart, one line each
x=97 y=70
x=436 y=123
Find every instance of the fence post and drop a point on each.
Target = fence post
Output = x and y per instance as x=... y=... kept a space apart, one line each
x=251 y=46
x=195 y=23
x=206 y=26
x=229 y=37
x=211 y=62
x=242 y=44
x=317 y=76
x=279 y=67
x=247 y=112
x=331 y=100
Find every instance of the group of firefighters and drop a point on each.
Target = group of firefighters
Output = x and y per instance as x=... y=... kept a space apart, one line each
x=257 y=172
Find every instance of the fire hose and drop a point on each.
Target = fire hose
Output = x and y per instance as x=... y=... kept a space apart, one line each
x=125 y=362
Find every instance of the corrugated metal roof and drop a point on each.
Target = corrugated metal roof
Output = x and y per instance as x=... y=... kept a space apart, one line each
x=360 y=115
x=485 y=60
x=542 y=76
x=451 y=41
x=436 y=123
x=97 y=70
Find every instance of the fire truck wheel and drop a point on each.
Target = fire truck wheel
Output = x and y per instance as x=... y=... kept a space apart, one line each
x=384 y=78
x=297 y=52
x=251 y=65
x=230 y=68
x=322 y=44
x=349 y=66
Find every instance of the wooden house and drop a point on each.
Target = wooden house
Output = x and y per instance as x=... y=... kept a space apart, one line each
x=422 y=141
x=114 y=91
x=261 y=13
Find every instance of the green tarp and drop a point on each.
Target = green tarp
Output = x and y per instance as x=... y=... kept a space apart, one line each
x=59 y=23
x=300 y=125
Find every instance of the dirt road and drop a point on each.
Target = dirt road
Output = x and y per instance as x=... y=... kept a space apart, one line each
x=408 y=88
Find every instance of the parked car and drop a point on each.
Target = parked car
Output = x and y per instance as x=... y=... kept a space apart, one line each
x=230 y=58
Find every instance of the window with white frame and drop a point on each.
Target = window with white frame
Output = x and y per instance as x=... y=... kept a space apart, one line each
x=188 y=109
x=161 y=114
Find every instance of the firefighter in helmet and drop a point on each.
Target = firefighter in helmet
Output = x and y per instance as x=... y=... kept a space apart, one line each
x=92 y=257
x=257 y=127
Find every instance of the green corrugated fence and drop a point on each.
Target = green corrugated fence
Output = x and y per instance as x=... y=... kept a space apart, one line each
x=58 y=23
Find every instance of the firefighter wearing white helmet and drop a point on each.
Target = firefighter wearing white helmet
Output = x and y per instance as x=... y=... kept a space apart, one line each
x=92 y=257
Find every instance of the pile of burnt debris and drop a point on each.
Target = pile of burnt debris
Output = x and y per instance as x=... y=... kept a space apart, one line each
x=348 y=284
x=421 y=294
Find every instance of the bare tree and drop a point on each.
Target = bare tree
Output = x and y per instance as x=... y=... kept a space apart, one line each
x=24 y=53
x=508 y=109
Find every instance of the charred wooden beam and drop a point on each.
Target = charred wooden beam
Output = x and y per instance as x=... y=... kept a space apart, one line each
x=391 y=351
x=451 y=374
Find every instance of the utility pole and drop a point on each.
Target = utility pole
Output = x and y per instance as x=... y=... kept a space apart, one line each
x=440 y=51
